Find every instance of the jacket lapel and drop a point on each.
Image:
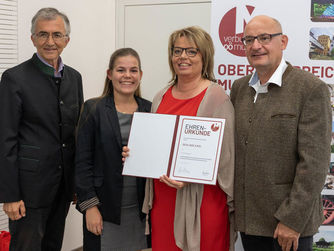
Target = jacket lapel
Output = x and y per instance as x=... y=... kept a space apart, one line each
x=286 y=73
x=141 y=107
x=113 y=119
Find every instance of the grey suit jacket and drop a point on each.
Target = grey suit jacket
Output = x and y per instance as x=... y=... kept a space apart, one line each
x=282 y=153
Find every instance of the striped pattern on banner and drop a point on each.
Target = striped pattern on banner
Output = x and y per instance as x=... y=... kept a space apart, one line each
x=8 y=34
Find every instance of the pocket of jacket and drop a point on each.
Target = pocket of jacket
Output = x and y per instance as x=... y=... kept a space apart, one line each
x=29 y=152
x=283 y=116
x=28 y=164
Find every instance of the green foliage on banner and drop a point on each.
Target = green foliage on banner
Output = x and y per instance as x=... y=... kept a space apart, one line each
x=318 y=9
x=330 y=248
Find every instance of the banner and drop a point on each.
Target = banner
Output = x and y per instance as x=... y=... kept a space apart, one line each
x=309 y=25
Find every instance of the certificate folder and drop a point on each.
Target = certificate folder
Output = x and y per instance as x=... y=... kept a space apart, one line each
x=185 y=148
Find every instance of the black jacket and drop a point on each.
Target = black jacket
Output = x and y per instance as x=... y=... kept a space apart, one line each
x=98 y=157
x=37 y=132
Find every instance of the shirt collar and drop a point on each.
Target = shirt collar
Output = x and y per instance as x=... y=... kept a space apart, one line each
x=276 y=78
x=60 y=65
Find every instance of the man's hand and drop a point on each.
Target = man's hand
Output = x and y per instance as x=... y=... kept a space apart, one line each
x=15 y=210
x=94 y=220
x=172 y=183
x=286 y=237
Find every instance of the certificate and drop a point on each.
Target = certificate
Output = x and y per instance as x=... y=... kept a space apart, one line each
x=185 y=148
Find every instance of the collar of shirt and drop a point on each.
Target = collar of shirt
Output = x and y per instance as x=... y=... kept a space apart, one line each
x=57 y=74
x=276 y=79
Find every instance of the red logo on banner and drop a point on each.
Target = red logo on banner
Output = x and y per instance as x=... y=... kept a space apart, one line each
x=230 y=33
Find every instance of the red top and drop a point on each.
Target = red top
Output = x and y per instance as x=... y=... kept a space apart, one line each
x=214 y=210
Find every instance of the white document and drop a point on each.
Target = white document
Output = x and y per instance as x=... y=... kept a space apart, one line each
x=186 y=148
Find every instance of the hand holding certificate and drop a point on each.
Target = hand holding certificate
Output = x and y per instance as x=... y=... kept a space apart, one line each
x=185 y=148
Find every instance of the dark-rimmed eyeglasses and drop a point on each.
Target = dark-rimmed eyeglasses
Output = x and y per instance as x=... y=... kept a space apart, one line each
x=190 y=51
x=44 y=36
x=262 y=38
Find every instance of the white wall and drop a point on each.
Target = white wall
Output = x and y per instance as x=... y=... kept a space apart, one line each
x=156 y=20
x=92 y=42
x=92 y=37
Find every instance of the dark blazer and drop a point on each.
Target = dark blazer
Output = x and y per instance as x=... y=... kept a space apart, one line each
x=38 y=118
x=282 y=153
x=98 y=157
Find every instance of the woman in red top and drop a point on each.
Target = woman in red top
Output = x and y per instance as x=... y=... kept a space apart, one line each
x=187 y=216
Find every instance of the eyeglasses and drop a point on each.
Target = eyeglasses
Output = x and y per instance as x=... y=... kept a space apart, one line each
x=191 y=52
x=44 y=36
x=262 y=39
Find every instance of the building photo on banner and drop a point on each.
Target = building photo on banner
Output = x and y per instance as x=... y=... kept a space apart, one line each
x=309 y=25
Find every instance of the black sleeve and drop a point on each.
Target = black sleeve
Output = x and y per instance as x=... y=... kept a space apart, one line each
x=11 y=112
x=85 y=148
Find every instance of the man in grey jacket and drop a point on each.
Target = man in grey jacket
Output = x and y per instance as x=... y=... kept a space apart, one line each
x=283 y=133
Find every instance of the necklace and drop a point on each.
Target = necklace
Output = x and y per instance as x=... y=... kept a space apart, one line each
x=127 y=108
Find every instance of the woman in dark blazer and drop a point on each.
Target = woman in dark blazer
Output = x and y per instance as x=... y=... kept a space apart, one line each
x=111 y=203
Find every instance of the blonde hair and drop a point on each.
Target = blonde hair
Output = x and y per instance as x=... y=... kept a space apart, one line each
x=204 y=44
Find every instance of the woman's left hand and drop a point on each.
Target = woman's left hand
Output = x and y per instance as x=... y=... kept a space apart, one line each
x=172 y=183
x=125 y=152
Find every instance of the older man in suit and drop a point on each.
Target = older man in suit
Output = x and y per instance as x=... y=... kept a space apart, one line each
x=283 y=133
x=40 y=101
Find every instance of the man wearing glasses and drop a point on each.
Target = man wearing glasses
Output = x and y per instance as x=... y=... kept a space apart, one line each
x=283 y=133
x=40 y=102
